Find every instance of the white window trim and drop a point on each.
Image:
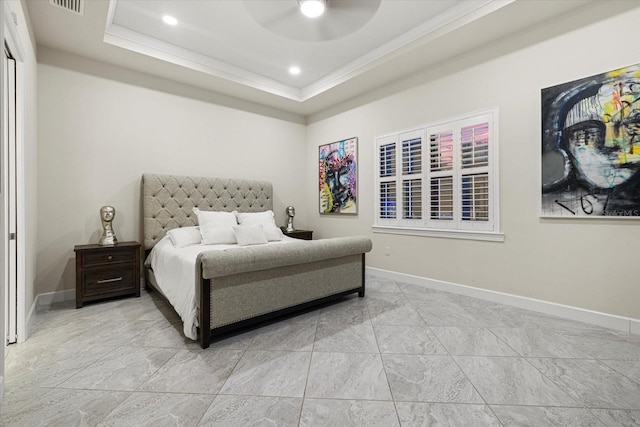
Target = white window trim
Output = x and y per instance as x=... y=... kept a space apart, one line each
x=490 y=236
x=398 y=227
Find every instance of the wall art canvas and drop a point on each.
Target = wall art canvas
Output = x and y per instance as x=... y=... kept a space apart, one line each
x=338 y=177
x=591 y=146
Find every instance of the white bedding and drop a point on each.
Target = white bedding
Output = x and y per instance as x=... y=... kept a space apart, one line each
x=175 y=273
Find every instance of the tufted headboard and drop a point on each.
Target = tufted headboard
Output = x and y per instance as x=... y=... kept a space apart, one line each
x=168 y=200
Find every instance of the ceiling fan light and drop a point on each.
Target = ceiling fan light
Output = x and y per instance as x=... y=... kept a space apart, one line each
x=312 y=8
x=170 y=20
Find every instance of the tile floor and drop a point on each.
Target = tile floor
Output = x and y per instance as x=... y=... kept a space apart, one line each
x=403 y=355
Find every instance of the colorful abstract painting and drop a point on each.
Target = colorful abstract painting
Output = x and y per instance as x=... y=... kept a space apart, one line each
x=591 y=146
x=338 y=178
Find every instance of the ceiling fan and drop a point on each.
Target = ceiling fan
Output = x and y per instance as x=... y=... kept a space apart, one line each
x=340 y=18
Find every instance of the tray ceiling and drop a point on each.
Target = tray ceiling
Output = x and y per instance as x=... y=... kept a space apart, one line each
x=244 y=48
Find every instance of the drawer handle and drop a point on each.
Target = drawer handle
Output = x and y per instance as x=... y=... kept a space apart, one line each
x=109 y=257
x=117 y=279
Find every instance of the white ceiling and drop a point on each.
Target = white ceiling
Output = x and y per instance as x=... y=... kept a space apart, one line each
x=243 y=48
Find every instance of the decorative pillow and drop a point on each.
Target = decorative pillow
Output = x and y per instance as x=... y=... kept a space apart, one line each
x=250 y=235
x=266 y=219
x=218 y=235
x=184 y=236
x=272 y=232
x=216 y=227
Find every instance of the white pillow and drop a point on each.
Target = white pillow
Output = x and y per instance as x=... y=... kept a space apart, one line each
x=216 y=227
x=250 y=235
x=272 y=232
x=218 y=235
x=250 y=218
x=184 y=236
x=266 y=219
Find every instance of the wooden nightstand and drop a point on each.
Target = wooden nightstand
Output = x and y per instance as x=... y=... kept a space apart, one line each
x=299 y=234
x=107 y=271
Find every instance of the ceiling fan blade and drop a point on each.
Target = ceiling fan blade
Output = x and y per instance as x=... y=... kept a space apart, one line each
x=342 y=17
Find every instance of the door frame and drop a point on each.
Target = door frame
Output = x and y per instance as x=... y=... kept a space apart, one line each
x=9 y=175
x=12 y=40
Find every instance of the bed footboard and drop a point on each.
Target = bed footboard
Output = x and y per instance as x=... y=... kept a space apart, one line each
x=275 y=282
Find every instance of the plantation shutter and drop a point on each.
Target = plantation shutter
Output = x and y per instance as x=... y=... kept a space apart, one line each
x=387 y=180
x=441 y=176
x=412 y=177
x=475 y=195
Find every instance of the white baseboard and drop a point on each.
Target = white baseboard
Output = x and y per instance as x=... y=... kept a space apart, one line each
x=29 y=320
x=610 y=321
x=45 y=300
x=49 y=298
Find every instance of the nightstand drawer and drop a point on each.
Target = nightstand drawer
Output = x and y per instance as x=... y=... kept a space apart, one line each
x=107 y=271
x=97 y=282
x=107 y=257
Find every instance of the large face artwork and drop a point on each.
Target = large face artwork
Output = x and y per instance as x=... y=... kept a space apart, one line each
x=591 y=146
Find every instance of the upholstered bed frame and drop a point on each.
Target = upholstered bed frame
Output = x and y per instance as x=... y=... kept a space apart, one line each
x=236 y=288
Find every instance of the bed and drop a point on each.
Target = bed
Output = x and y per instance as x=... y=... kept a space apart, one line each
x=218 y=288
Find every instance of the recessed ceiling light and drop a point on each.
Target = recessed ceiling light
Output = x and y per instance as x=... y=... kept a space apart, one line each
x=294 y=70
x=312 y=8
x=169 y=20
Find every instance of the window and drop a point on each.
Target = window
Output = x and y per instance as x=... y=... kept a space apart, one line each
x=453 y=190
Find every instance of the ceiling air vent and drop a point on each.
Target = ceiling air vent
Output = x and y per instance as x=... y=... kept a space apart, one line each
x=75 y=6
